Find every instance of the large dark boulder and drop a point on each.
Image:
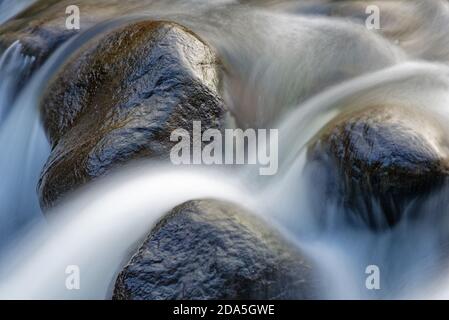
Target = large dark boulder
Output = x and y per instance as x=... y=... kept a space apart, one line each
x=120 y=97
x=377 y=161
x=210 y=249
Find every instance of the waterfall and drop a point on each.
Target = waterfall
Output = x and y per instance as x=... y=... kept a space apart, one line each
x=113 y=222
x=24 y=146
x=14 y=67
x=273 y=80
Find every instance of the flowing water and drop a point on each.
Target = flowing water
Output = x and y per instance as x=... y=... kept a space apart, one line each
x=25 y=146
x=9 y=8
x=14 y=66
x=273 y=80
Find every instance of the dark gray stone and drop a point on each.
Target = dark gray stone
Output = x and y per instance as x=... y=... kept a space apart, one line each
x=209 y=249
x=379 y=158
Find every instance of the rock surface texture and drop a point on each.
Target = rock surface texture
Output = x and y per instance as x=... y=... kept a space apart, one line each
x=210 y=249
x=120 y=97
x=380 y=159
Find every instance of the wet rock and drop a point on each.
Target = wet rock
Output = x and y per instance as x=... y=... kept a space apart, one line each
x=377 y=161
x=209 y=249
x=120 y=97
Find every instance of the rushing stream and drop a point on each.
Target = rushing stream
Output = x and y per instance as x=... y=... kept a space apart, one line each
x=274 y=80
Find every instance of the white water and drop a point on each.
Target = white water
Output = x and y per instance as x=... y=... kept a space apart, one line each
x=101 y=225
x=274 y=80
x=24 y=146
x=14 y=66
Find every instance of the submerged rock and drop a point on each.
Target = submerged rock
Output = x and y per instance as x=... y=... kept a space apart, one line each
x=41 y=28
x=379 y=160
x=120 y=97
x=209 y=249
